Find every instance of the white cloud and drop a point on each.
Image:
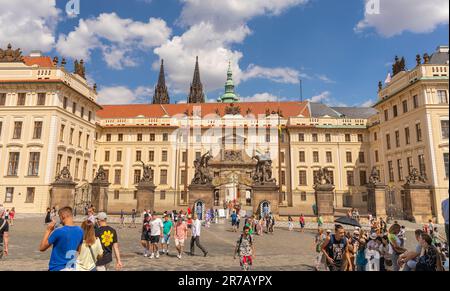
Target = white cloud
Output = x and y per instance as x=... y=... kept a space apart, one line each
x=278 y=75
x=28 y=24
x=325 y=98
x=263 y=97
x=325 y=79
x=367 y=103
x=397 y=16
x=116 y=37
x=124 y=95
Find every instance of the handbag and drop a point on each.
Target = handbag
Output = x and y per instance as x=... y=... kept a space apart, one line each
x=93 y=258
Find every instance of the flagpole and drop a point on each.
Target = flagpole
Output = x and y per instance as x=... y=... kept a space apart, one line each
x=279 y=151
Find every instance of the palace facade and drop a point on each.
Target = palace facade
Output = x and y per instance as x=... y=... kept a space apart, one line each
x=49 y=118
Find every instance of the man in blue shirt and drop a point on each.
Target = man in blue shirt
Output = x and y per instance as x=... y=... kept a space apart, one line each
x=65 y=242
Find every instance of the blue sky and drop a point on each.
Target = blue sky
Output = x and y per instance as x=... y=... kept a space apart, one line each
x=339 y=52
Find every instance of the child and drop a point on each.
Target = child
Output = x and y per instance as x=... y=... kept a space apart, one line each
x=290 y=223
x=245 y=249
x=361 y=260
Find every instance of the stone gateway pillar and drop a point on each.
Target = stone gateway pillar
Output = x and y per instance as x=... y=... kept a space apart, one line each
x=418 y=198
x=376 y=204
x=100 y=186
x=324 y=196
x=145 y=195
x=63 y=190
x=265 y=192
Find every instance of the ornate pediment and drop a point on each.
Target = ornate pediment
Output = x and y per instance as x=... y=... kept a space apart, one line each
x=233 y=109
x=11 y=56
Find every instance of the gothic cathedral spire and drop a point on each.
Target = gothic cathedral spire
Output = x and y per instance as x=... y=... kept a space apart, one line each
x=196 y=94
x=161 y=95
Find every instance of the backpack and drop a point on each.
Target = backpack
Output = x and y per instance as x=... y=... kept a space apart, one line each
x=240 y=241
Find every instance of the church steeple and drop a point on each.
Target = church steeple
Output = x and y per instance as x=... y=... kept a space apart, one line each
x=161 y=95
x=229 y=96
x=196 y=94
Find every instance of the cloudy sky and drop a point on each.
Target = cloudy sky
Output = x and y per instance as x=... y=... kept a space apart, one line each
x=338 y=49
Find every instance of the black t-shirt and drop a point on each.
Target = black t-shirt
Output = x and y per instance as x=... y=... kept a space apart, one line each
x=4 y=227
x=108 y=237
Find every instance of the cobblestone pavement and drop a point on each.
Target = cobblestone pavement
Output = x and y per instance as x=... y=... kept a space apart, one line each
x=285 y=250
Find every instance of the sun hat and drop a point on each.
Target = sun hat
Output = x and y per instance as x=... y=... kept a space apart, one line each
x=102 y=216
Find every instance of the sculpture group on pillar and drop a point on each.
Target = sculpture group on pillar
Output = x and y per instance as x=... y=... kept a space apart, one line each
x=322 y=178
x=147 y=176
x=101 y=177
x=64 y=176
x=374 y=178
x=415 y=178
x=202 y=174
x=10 y=56
x=263 y=171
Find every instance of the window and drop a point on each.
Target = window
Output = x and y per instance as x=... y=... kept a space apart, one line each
x=362 y=178
x=350 y=178
x=410 y=164
x=315 y=137
x=283 y=178
x=415 y=101
x=89 y=116
x=444 y=129
x=106 y=156
x=375 y=136
x=163 y=177
x=21 y=99
x=301 y=156
x=116 y=194
x=418 y=132
x=405 y=106
x=151 y=156
x=61 y=133
x=41 y=99
x=165 y=137
x=364 y=197
x=17 y=130
x=120 y=137
x=30 y=195
x=267 y=137
x=303 y=196
x=107 y=175
x=442 y=96
x=315 y=157
x=198 y=138
x=162 y=195
x=33 y=164
x=315 y=173
x=446 y=165
x=77 y=166
x=58 y=164
x=37 y=130
x=119 y=156
x=139 y=137
x=388 y=141
x=397 y=138
x=391 y=171
x=82 y=112
x=74 y=107
x=71 y=136
x=108 y=137
x=328 y=137
x=87 y=141
x=377 y=159
x=347 y=137
x=400 y=170
x=330 y=174
x=137 y=176
x=348 y=157
x=164 y=156
x=2 y=99
x=422 y=169
x=329 y=157
x=117 y=176
x=9 y=194
x=13 y=163
x=301 y=137
x=302 y=178
x=361 y=157
x=138 y=156
x=152 y=137
x=65 y=103
x=407 y=136
x=80 y=134
x=386 y=115
x=282 y=157
x=395 y=110
x=183 y=177
x=84 y=169
x=360 y=138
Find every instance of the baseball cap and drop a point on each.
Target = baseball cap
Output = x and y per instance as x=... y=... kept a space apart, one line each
x=102 y=216
x=329 y=231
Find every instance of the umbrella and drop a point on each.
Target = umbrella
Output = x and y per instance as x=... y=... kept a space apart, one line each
x=348 y=221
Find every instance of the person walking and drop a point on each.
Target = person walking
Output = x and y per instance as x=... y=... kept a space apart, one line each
x=4 y=234
x=245 y=249
x=302 y=222
x=65 y=241
x=156 y=233
x=133 y=219
x=318 y=241
x=335 y=249
x=319 y=221
x=234 y=218
x=180 y=236
x=109 y=242
x=48 y=218
x=195 y=239
x=167 y=230
x=290 y=223
x=122 y=219
x=12 y=213
x=90 y=250
x=146 y=236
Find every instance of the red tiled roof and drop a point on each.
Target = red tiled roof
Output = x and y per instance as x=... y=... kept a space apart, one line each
x=45 y=62
x=288 y=109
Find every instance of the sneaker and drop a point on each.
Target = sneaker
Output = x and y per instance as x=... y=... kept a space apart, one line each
x=157 y=255
x=163 y=251
x=145 y=255
x=179 y=256
x=152 y=256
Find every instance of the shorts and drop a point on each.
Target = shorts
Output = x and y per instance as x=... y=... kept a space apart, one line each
x=106 y=267
x=145 y=237
x=233 y=223
x=179 y=242
x=154 y=239
x=166 y=239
